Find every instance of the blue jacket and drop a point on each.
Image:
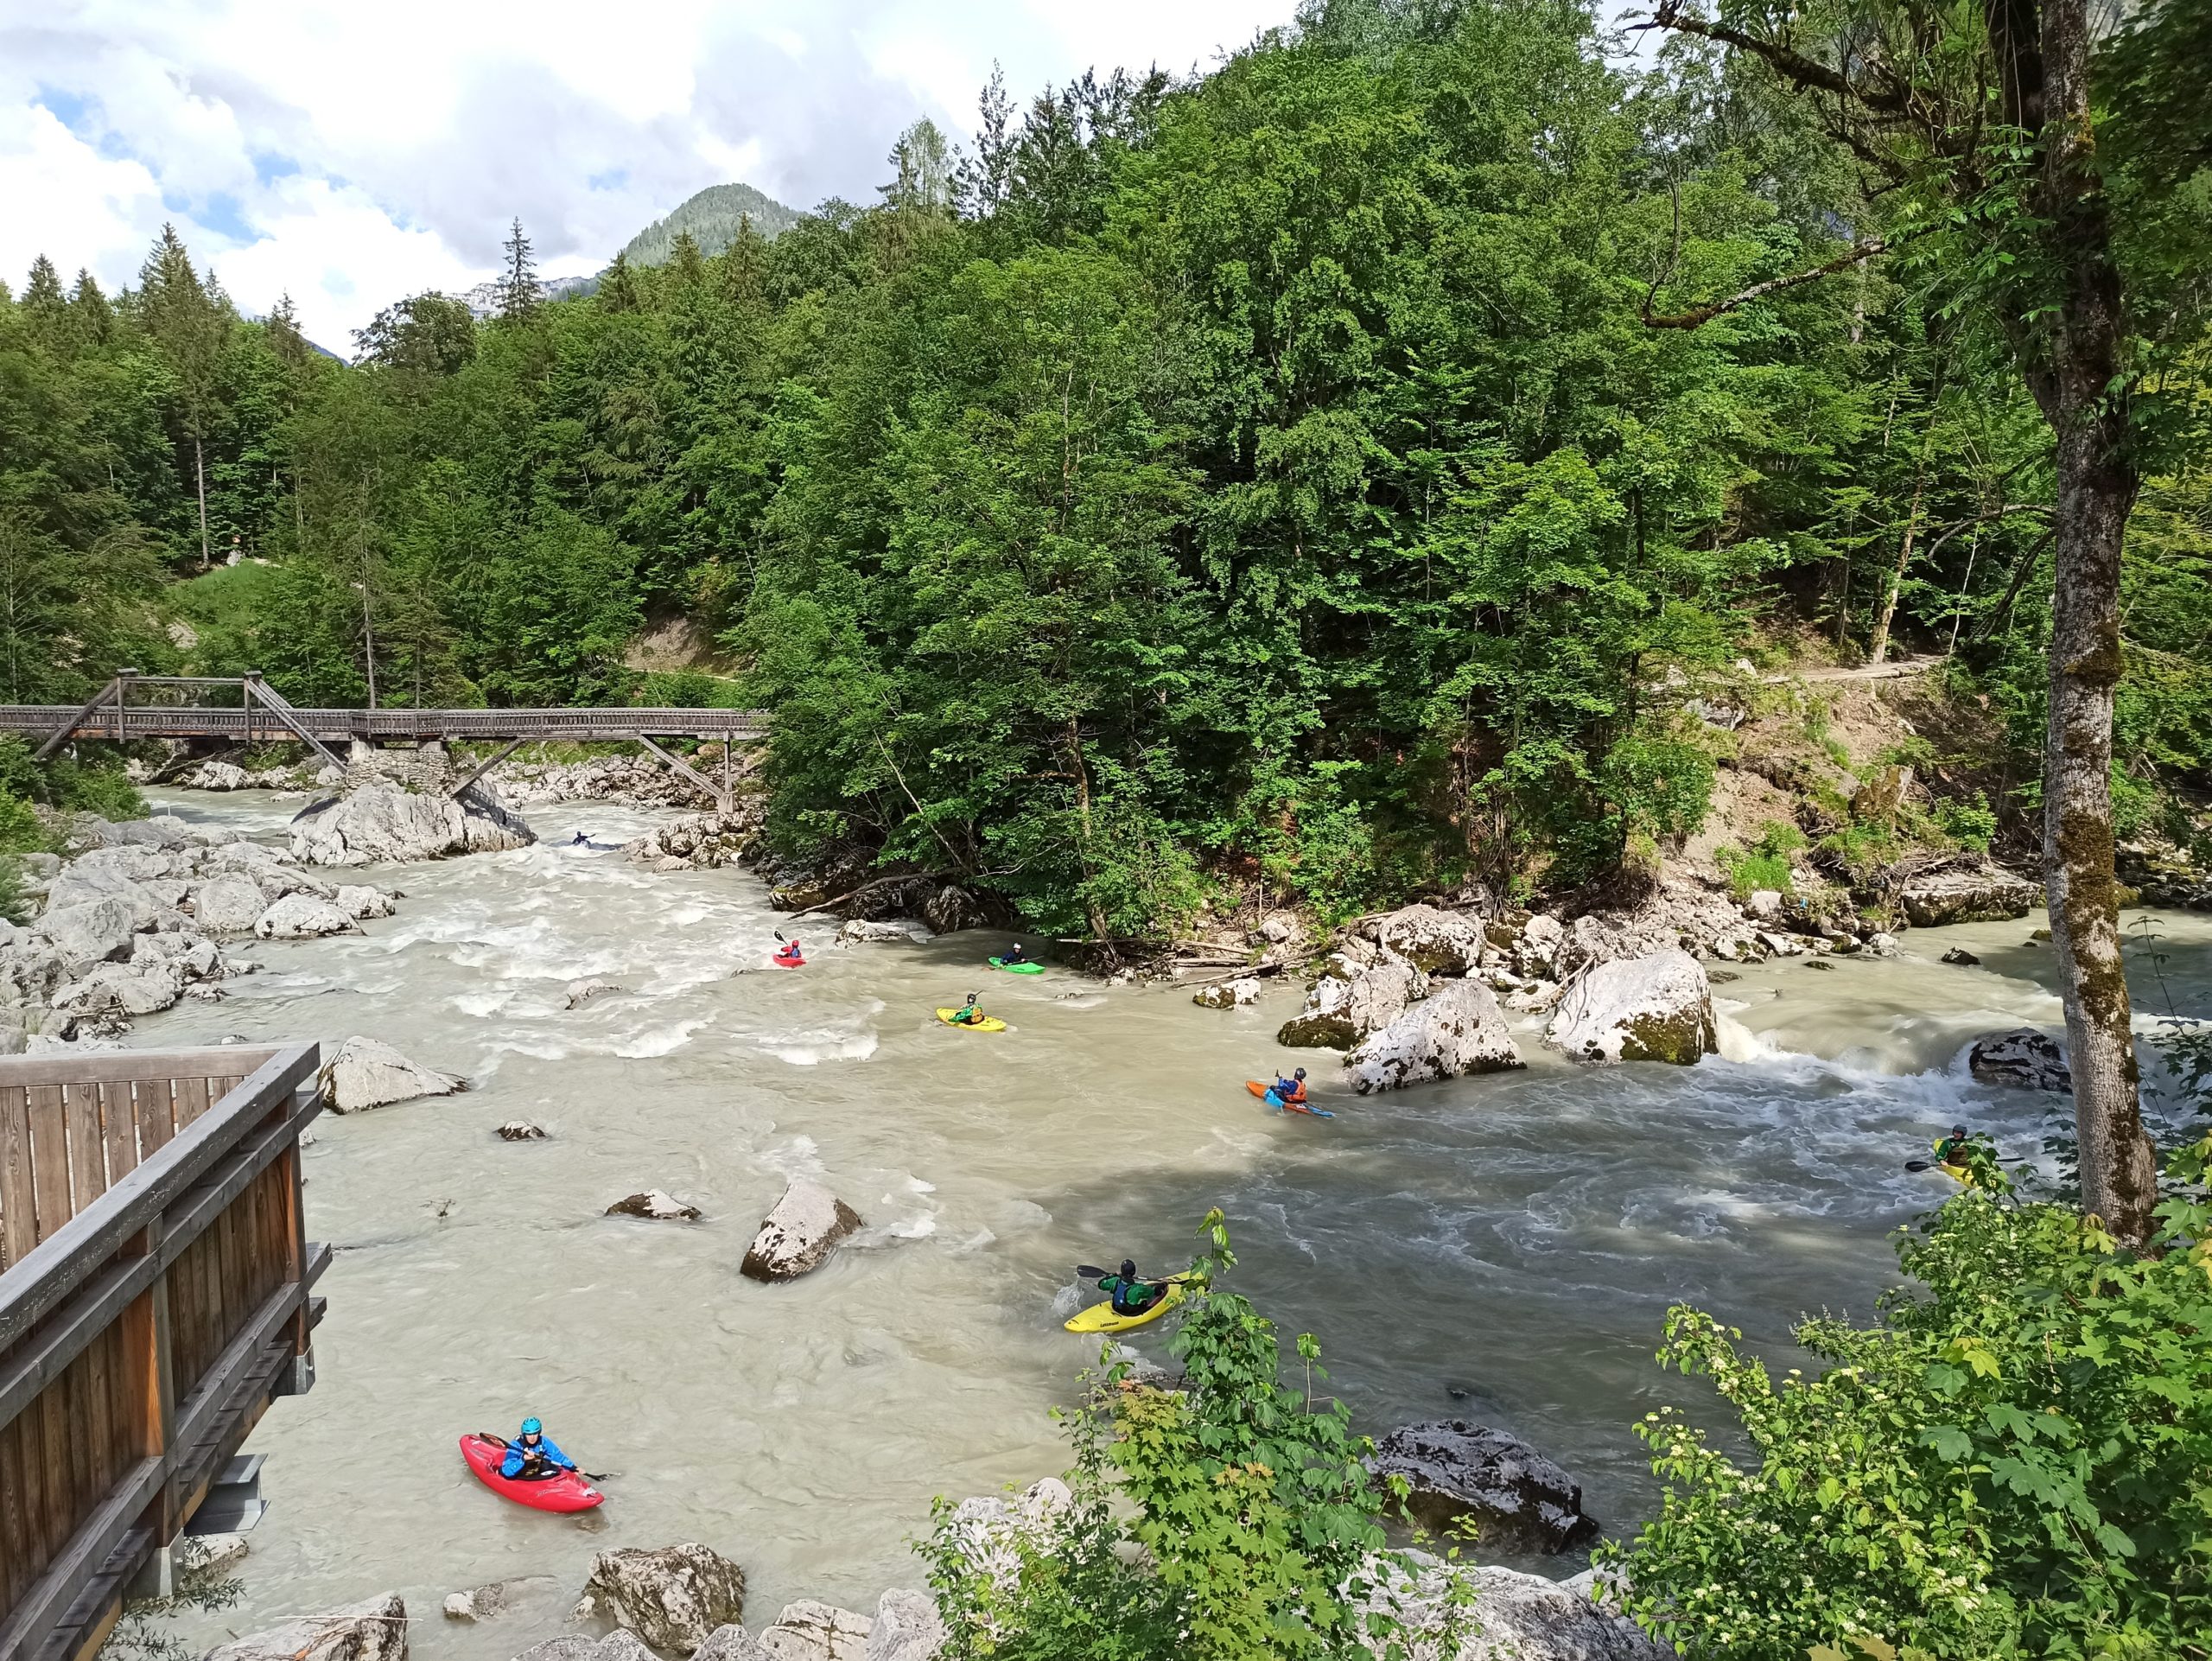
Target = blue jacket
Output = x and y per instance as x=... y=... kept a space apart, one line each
x=511 y=1465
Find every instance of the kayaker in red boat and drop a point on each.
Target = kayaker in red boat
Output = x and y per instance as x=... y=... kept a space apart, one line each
x=790 y=953
x=533 y=1455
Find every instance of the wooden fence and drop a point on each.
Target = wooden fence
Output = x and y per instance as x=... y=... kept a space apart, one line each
x=155 y=1294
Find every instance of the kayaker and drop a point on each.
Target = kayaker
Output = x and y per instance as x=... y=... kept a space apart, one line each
x=533 y=1455
x=581 y=839
x=790 y=953
x=1131 y=1296
x=1951 y=1149
x=1015 y=953
x=1290 y=1091
x=967 y=1015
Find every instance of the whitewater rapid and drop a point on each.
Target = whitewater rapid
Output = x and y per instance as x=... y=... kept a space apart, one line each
x=1502 y=1248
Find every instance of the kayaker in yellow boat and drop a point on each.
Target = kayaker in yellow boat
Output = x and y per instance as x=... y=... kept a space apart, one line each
x=1131 y=1296
x=1951 y=1150
x=968 y=1014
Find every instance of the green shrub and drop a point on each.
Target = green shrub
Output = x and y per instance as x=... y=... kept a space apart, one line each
x=92 y=782
x=1969 y=823
x=1767 y=864
x=2015 y=1461
x=687 y=689
x=1860 y=850
x=1258 y=1525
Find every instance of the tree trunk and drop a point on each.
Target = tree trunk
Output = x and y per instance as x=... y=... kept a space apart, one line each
x=2083 y=394
x=1093 y=912
x=200 y=483
x=1878 y=648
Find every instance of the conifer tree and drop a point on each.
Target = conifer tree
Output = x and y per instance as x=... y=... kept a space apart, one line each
x=95 y=318
x=519 y=288
x=191 y=326
x=687 y=267
x=618 y=289
x=284 y=336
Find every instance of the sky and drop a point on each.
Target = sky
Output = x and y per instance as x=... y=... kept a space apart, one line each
x=350 y=154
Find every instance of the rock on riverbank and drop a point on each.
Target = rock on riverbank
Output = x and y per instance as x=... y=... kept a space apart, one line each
x=375 y=1630
x=1523 y=1501
x=380 y=824
x=673 y=1598
x=1654 y=1009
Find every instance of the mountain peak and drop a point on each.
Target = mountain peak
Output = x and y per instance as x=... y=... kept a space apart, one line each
x=712 y=219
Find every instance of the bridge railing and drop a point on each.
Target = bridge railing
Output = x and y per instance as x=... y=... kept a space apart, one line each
x=155 y=1294
x=248 y=724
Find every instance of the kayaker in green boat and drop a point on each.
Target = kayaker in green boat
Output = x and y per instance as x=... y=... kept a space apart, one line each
x=1015 y=953
x=1131 y=1296
x=967 y=1015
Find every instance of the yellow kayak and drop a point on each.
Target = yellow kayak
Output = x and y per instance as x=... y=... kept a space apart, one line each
x=1101 y=1318
x=988 y=1024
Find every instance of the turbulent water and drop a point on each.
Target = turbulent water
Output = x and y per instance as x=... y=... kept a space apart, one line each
x=1501 y=1248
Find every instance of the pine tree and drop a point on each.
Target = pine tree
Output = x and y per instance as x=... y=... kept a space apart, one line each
x=284 y=336
x=42 y=291
x=686 y=266
x=95 y=318
x=519 y=288
x=618 y=289
x=192 y=327
x=743 y=267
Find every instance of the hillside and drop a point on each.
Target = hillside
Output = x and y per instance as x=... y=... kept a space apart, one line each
x=712 y=219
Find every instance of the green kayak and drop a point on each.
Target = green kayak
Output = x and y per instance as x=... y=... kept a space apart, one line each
x=1018 y=968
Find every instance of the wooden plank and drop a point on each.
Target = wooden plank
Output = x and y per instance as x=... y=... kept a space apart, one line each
x=15 y=1542
x=64 y=1259
x=197 y=1409
x=88 y=1151
x=154 y=1100
x=18 y=1207
x=111 y=1066
x=119 y=1129
x=191 y=1099
x=49 y=1162
x=23 y=1376
x=85 y=1553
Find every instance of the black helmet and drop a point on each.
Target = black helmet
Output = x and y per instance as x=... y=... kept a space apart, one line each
x=1301 y=1073
x=1129 y=1269
x=1958 y=1130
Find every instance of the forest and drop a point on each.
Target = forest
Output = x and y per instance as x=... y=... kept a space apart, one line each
x=1349 y=470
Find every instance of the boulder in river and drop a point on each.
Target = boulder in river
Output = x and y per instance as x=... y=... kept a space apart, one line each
x=1961 y=958
x=303 y=917
x=90 y=931
x=1501 y=1614
x=807 y=1631
x=368 y=1073
x=1455 y=1030
x=521 y=1130
x=228 y=904
x=120 y=989
x=907 y=1627
x=380 y=824
x=1229 y=994
x=2023 y=1058
x=799 y=1233
x=360 y=900
x=1440 y=942
x=1519 y=1499
x=660 y=1207
x=1341 y=1008
x=1654 y=1009
x=1968 y=890
x=730 y=1643
x=583 y=991
x=374 y=1630
x=673 y=1597
x=992 y=1531
x=860 y=930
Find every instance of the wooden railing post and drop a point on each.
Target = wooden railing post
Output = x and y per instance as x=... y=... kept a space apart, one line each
x=150 y=1389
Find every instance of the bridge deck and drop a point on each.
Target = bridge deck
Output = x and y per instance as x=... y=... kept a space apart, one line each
x=155 y=1294
x=251 y=724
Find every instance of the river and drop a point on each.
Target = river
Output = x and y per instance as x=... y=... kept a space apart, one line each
x=1502 y=1248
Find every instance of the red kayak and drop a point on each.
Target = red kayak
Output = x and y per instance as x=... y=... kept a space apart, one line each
x=783 y=962
x=568 y=1492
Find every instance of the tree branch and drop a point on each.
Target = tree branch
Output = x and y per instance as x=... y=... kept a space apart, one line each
x=1794 y=67
x=1701 y=315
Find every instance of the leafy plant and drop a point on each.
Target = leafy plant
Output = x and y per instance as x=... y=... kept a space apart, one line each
x=1767 y=863
x=1969 y=821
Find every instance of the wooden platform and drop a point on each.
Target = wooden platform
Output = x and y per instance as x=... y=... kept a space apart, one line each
x=155 y=1284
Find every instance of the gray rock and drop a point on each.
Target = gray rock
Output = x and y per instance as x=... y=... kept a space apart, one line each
x=303 y=917
x=90 y=932
x=731 y=1642
x=1501 y=1614
x=84 y=884
x=482 y=1602
x=1456 y=1030
x=229 y=904
x=807 y=1631
x=568 y=1647
x=521 y=1130
x=2023 y=1058
x=621 y=1645
x=1228 y=995
x=1962 y=957
x=654 y=1204
x=380 y=824
x=1967 y=891
x=1882 y=944
x=582 y=992
x=1520 y=1500
x=799 y=1233
x=374 y=1630
x=202 y=1553
x=952 y=909
x=368 y=1073
x=1535 y=948
x=1653 y=1009
x=1343 y=1009
x=1279 y=927
x=30 y=971
x=861 y=932
x=673 y=1597
x=360 y=900
x=217 y=775
x=119 y=988
x=907 y=1628
x=1440 y=942
x=992 y=1532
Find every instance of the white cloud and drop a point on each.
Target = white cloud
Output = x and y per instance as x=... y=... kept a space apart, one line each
x=352 y=154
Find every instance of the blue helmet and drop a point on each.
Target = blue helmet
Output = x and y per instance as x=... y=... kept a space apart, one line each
x=532 y=1428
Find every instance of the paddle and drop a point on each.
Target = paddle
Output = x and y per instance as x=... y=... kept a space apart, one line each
x=1929 y=1164
x=1092 y=1272
x=589 y=1476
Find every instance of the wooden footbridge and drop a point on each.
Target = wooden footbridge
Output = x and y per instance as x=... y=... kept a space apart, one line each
x=156 y=1294
x=263 y=716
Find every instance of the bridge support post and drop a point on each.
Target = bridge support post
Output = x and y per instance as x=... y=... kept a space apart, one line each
x=676 y=764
